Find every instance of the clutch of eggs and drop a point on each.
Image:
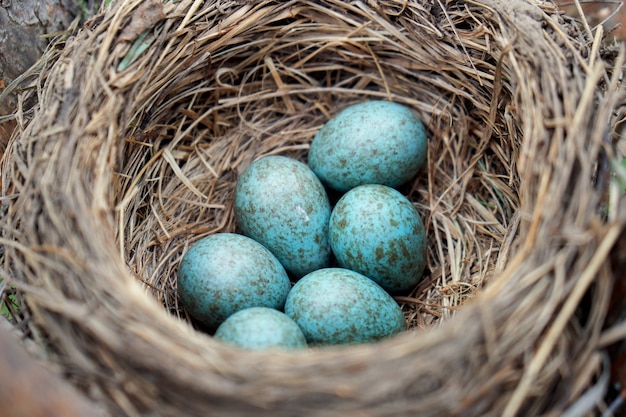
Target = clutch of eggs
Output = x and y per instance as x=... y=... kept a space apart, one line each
x=346 y=260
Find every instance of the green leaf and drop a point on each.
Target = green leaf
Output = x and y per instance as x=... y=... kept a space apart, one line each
x=141 y=45
x=620 y=173
x=4 y=308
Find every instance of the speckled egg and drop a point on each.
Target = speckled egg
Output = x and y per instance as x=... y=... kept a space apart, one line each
x=377 y=232
x=226 y=272
x=259 y=328
x=280 y=203
x=336 y=306
x=374 y=142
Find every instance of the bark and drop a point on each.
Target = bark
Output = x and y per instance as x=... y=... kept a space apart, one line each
x=22 y=26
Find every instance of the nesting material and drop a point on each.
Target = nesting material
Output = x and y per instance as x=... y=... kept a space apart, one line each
x=145 y=118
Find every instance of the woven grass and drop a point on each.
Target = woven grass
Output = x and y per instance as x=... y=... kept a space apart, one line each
x=128 y=158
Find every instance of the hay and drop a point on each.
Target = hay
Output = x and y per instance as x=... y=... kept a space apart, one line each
x=130 y=157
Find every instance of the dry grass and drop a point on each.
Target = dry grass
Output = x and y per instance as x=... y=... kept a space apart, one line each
x=127 y=160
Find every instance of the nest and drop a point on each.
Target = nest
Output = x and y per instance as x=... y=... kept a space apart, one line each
x=144 y=118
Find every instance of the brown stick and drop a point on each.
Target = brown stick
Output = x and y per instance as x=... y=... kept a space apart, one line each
x=29 y=389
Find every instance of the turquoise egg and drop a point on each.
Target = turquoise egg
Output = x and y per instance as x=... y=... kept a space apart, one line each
x=377 y=232
x=259 y=328
x=336 y=306
x=280 y=203
x=226 y=272
x=374 y=142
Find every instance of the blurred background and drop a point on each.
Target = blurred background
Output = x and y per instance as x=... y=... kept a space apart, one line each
x=610 y=13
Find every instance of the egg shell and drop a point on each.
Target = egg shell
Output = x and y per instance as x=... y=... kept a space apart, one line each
x=259 y=328
x=377 y=232
x=336 y=306
x=280 y=203
x=226 y=272
x=373 y=142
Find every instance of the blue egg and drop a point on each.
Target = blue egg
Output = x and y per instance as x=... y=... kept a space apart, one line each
x=259 y=328
x=374 y=142
x=280 y=203
x=226 y=272
x=377 y=232
x=336 y=306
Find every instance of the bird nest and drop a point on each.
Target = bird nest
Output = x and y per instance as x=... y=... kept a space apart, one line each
x=142 y=121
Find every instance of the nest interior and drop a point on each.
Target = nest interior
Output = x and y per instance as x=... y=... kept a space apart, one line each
x=146 y=117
